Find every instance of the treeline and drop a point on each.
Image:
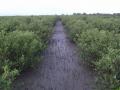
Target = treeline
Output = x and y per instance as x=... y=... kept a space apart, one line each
x=102 y=14
x=22 y=39
x=98 y=38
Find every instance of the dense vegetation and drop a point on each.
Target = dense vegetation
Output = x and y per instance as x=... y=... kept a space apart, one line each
x=22 y=39
x=98 y=37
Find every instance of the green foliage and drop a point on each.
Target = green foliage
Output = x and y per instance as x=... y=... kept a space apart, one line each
x=22 y=48
x=7 y=77
x=99 y=40
x=22 y=39
x=95 y=42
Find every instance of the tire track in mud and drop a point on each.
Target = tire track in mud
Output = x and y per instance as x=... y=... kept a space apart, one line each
x=61 y=69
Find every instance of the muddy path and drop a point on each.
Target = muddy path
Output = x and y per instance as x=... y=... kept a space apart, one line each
x=61 y=69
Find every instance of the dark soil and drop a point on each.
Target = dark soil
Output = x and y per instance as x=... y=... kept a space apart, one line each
x=61 y=68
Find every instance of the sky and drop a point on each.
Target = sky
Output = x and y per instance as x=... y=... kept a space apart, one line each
x=48 y=7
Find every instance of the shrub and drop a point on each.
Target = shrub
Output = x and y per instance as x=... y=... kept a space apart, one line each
x=22 y=39
x=99 y=40
x=19 y=50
